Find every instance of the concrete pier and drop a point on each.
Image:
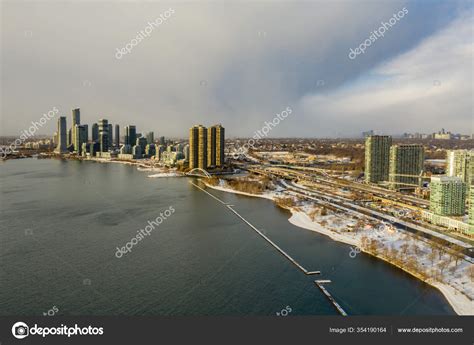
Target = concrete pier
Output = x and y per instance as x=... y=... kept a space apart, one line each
x=319 y=284
x=282 y=252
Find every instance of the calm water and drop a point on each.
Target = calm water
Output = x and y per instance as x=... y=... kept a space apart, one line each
x=61 y=222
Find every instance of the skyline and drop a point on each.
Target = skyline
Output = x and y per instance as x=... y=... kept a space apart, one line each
x=201 y=167
x=240 y=66
x=28 y=134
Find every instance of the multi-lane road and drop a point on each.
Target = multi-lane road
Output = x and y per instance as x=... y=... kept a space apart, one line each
x=353 y=197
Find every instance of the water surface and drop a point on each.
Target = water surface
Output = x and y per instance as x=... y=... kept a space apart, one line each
x=61 y=221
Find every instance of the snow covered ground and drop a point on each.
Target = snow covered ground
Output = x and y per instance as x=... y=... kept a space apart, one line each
x=165 y=174
x=454 y=279
x=223 y=188
x=457 y=285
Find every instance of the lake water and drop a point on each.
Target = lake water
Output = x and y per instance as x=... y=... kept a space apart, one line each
x=61 y=222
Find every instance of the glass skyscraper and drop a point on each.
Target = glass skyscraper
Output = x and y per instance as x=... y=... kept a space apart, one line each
x=104 y=135
x=62 y=135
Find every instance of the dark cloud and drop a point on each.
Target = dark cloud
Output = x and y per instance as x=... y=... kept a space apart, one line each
x=237 y=63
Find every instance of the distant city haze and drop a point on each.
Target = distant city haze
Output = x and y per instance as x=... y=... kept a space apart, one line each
x=239 y=64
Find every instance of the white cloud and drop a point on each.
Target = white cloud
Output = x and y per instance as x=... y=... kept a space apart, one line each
x=424 y=89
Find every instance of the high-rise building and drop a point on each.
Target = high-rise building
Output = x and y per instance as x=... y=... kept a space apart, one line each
x=117 y=136
x=150 y=150
x=110 y=135
x=215 y=146
x=76 y=117
x=162 y=140
x=55 y=139
x=85 y=149
x=79 y=137
x=137 y=151
x=95 y=132
x=406 y=163
x=62 y=145
x=470 y=192
x=471 y=206
x=377 y=158
x=458 y=164
x=150 y=137
x=198 y=147
x=220 y=145
x=69 y=137
x=367 y=133
x=126 y=149
x=76 y=120
x=193 y=147
x=94 y=148
x=159 y=150
x=126 y=136
x=447 y=196
x=186 y=152
x=202 y=147
x=130 y=135
x=141 y=141
x=211 y=146
x=86 y=128
x=104 y=135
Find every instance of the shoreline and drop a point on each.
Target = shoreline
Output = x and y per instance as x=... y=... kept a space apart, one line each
x=459 y=302
x=141 y=166
x=456 y=299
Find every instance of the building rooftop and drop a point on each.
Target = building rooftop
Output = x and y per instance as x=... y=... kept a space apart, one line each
x=445 y=179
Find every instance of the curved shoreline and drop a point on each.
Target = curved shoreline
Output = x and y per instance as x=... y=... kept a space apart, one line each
x=458 y=301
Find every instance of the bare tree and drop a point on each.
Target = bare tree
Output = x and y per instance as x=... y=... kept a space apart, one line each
x=404 y=248
x=432 y=257
x=441 y=248
x=364 y=242
x=456 y=254
x=412 y=263
x=416 y=250
x=443 y=265
x=434 y=274
x=471 y=272
x=393 y=254
x=374 y=246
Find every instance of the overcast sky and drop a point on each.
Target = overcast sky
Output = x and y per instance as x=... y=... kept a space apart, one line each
x=240 y=63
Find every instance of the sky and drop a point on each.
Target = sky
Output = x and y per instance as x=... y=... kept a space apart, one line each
x=240 y=63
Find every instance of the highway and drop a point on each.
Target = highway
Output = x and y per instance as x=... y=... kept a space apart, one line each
x=288 y=172
x=400 y=224
x=324 y=197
